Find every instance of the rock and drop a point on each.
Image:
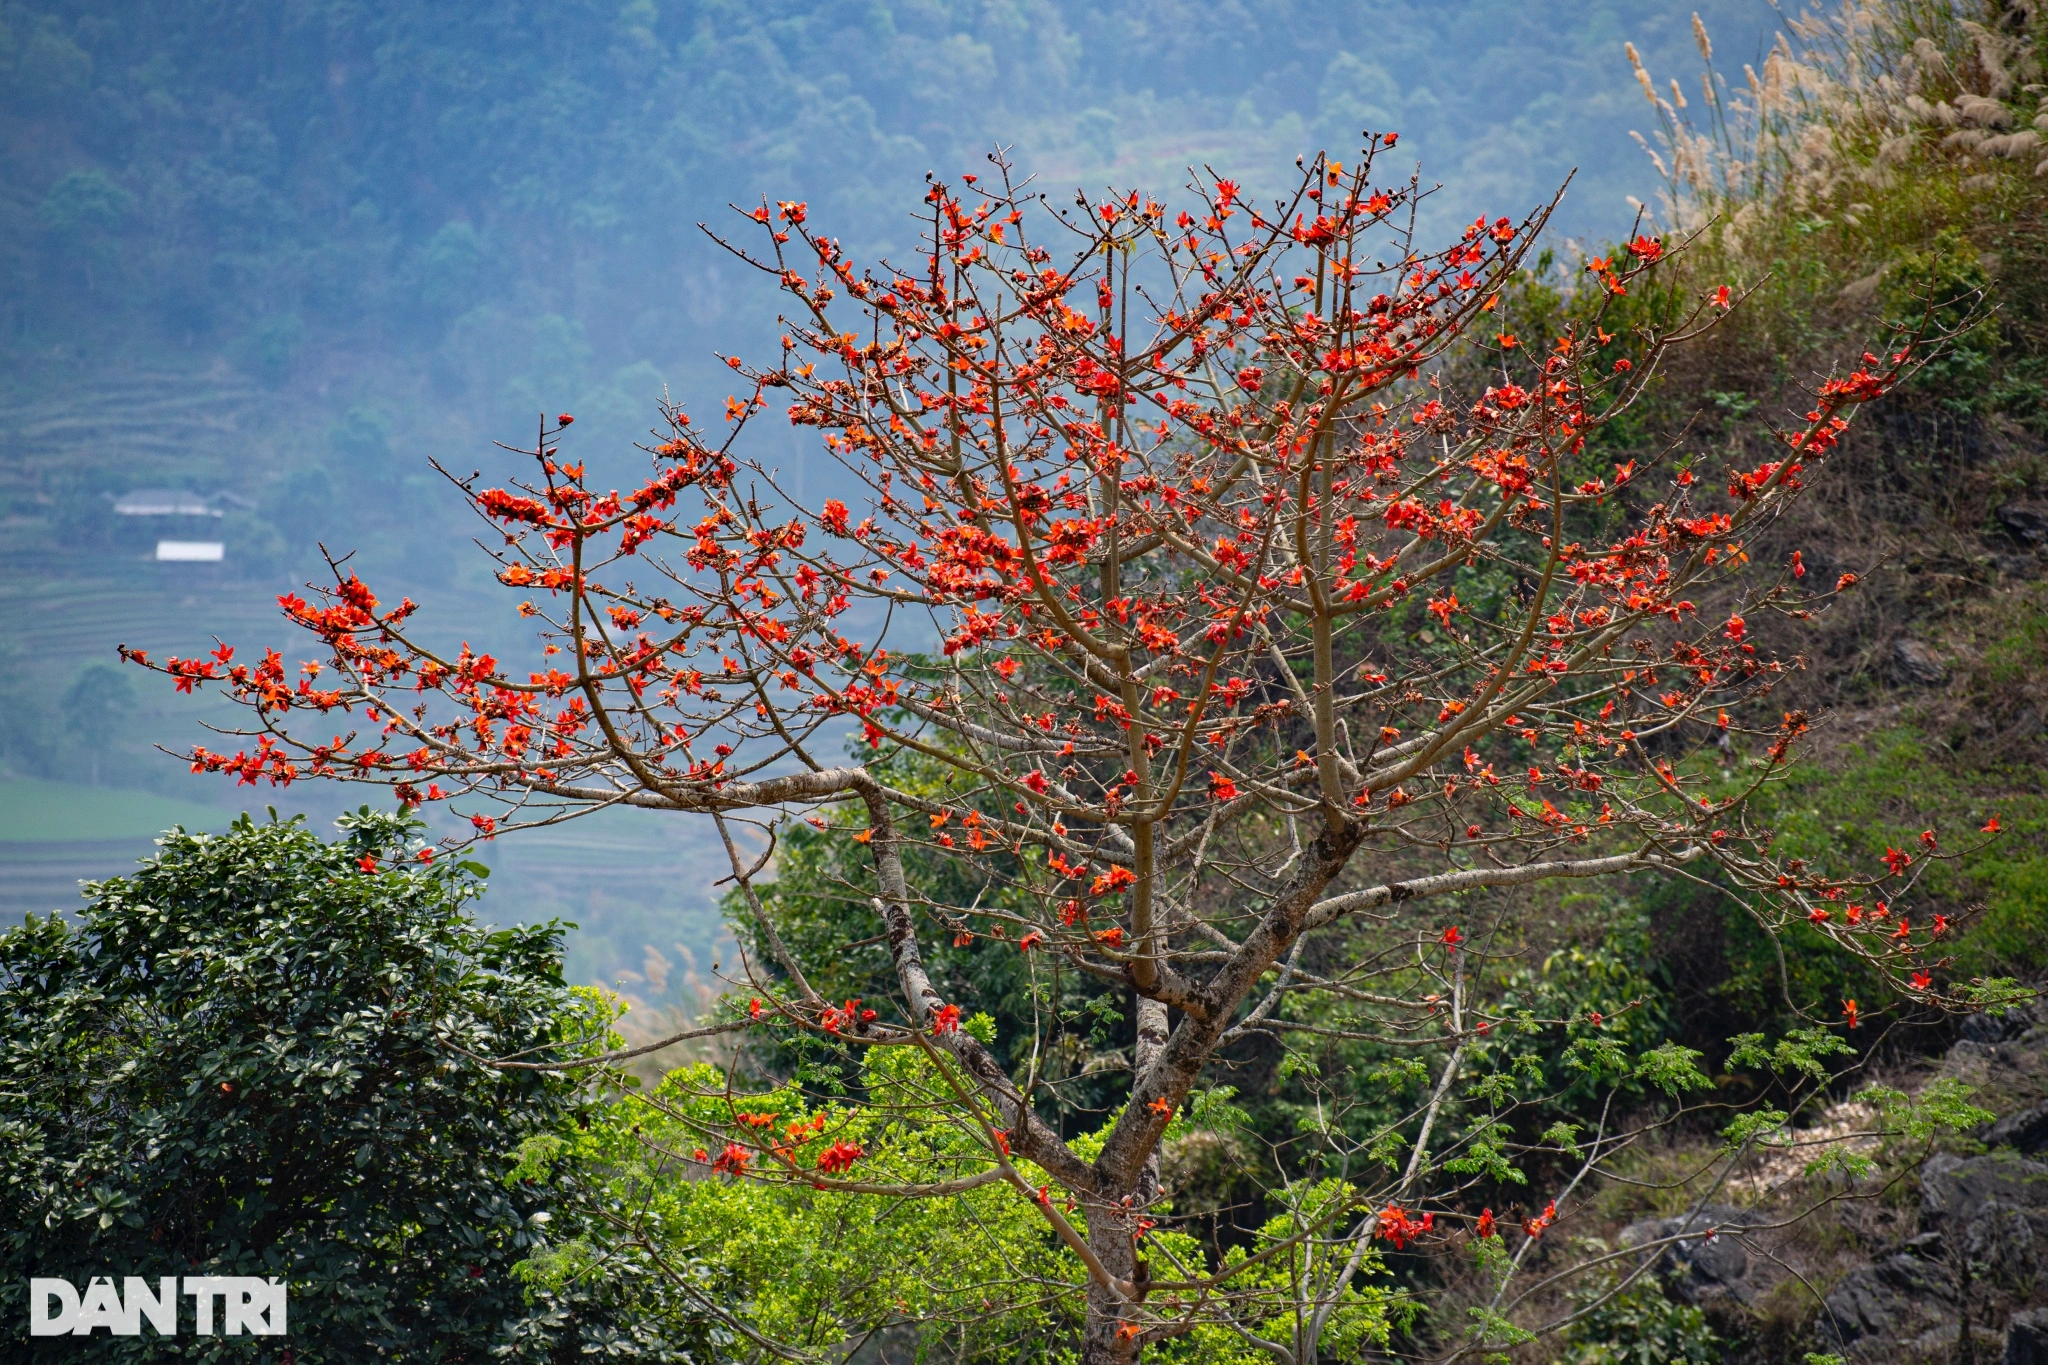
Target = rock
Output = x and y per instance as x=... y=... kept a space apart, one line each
x=2017 y=565
x=1901 y=1296
x=2026 y=1130
x=1990 y=1210
x=2026 y=1338
x=1994 y=1211
x=1996 y=1028
x=1700 y=1265
x=2027 y=525
x=1955 y=1188
x=1915 y=662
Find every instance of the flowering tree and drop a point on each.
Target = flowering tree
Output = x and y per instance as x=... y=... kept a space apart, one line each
x=1240 y=643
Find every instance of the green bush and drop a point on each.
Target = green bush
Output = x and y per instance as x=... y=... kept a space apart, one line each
x=261 y=1055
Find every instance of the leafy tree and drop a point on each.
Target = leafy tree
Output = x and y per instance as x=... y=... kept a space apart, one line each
x=81 y=209
x=96 y=705
x=85 y=200
x=1245 y=652
x=259 y=1055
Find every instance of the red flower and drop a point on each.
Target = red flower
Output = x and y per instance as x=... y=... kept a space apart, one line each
x=1451 y=938
x=1927 y=839
x=839 y=1157
x=946 y=1019
x=1990 y=826
x=733 y=1160
x=1222 y=788
x=1397 y=1227
x=1898 y=860
x=563 y=420
x=1849 y=1013
x=1485 y=1225
x=367 y=863
x=1922 y=981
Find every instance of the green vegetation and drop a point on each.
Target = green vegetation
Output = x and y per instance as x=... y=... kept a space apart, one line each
x=259 y=1056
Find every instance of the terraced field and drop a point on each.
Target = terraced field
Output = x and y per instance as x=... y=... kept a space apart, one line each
x=638 y=885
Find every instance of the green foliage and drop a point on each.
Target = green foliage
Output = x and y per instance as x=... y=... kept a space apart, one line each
x=1802 y=1052
x=1942 y=1108
x=1672 y=1068
x=820 y=904
x=1636 y=1325
x=257 y=1056
x=1880 y=792
x=1757 y=1124
x=85 y=200
x=1365 y=1314
x=1943 y=288
x=809 y=1269
x=1594 y=1014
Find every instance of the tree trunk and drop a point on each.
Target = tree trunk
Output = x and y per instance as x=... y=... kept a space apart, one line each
x=1109 y=1237
x=1110 y=1228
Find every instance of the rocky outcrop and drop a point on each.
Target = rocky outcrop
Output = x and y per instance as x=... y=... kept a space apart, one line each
x=2025 y=1131
x=2026 y=1338
x=1972 y=1250
x=1981 y=1253
x=1908 y=1295
x=1699 y=1267
x=1985 y=1248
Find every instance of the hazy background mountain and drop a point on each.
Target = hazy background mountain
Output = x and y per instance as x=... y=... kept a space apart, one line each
x=281 y=254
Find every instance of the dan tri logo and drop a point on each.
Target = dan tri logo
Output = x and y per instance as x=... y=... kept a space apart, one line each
x=250 y=1305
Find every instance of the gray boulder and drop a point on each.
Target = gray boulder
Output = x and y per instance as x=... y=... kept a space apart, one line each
x=1991 y=1211
x=2027 y=525
x=1916 y=662
x=1903 y=1296
x=2026 y=1338
x=1696 y=1264
x=2027 y=1130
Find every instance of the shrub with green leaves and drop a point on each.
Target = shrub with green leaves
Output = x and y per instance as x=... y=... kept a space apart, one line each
x=261 y=1054
x=1634 y=1323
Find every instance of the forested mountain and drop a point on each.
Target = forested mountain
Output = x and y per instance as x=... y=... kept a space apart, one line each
x=509 y=193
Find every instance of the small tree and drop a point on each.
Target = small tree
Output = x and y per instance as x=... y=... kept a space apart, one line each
x=1226 y=644
x=96 y=706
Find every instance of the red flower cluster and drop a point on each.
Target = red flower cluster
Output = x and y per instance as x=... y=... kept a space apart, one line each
x=1396 y=1226
x=840 y=1156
